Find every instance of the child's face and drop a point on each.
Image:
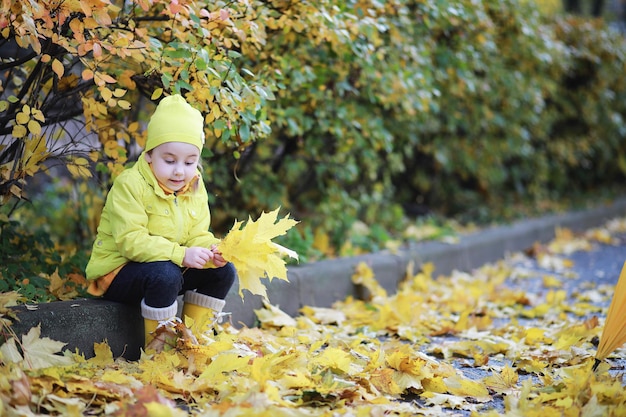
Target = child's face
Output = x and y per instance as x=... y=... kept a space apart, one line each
x=174 y=163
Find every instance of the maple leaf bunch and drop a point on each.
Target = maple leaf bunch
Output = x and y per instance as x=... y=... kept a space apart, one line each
x=250 y=248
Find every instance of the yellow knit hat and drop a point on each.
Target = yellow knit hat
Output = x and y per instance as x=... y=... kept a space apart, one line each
x=174 y=120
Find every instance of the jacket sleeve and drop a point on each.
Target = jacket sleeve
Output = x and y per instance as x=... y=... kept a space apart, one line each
x=129 y=226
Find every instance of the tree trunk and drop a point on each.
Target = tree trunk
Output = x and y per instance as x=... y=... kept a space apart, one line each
x=597 y=8
x=573 y=6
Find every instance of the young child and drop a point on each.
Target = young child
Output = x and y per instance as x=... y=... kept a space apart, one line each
x=153 y=241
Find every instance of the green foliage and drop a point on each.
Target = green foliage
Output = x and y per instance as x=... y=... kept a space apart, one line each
x=457 y=106
x=343 y=112
x=45 y=243
x=300 y=240
x=67 y=211
x=586 y=142
x=33 y=266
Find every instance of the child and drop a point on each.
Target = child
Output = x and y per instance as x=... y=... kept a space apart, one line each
x=153 y=241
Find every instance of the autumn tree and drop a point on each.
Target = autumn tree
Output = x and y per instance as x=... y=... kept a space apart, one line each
x=70 y=70
x=364 y=108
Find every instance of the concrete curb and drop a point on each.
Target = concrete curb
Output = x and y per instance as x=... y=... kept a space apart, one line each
x=82 y=323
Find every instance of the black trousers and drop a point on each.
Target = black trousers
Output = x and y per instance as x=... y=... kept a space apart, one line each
x=160 y=283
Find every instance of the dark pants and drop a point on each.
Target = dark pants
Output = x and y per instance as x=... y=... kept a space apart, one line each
x=160 y=283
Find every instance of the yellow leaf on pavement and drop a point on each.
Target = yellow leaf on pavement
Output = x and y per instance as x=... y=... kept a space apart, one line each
x=157 y=409
x=503 y=382
x=447 y=400
x=384 y=381
x=273 y=316
x=464 y=387
x=334 y=358
x=217 y=370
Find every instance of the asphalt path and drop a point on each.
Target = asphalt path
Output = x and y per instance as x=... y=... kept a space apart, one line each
x=600 y=266
x=592 y=273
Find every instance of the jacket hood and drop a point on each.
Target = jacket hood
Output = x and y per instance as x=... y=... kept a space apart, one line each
x=145 y=170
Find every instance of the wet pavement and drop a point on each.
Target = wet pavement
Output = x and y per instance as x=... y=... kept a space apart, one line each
x=587 y=276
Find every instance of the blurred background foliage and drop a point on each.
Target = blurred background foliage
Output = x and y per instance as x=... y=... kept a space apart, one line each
x=371 y=122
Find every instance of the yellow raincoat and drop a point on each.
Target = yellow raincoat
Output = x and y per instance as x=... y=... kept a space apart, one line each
x=141 y=222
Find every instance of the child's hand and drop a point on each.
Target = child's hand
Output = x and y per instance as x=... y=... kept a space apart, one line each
x=218 y=260
x=196 y=257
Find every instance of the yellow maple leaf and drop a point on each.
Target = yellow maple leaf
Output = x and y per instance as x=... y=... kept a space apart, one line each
x=273 y=316
x=324 y=315
x=464 y=387
x=609 y=392
x=404 y=362
x=550 y=281
x=217 y=370
x=383 y=380
x=504 y=382
x=157 y=409
x=447 y=400
x=534 y=366
x=37 y=352
x=566 y=341
x=535 y=336
x=120 y=378
x=267 y=368
x=297 y=379
x=334 y=358
x=103 y=356
x=254 y=255
x=159 y=367
x=8 y=299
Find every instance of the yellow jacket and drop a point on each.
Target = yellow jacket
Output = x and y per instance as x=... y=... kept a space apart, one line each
x=142 y=223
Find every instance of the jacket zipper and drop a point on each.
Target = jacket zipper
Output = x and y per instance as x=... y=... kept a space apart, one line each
x=179 y=217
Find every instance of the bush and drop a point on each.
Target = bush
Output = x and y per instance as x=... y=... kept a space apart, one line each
x=454 y=108
x=34 y=266
x=351 y=114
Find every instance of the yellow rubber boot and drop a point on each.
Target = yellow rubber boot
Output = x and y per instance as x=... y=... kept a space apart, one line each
x=149 y=327
x=155 y=317
x=201 y=312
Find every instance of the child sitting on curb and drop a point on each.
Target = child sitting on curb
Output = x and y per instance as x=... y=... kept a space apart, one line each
x=153 y=242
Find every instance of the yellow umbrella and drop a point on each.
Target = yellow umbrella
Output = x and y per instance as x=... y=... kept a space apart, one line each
x=614 y=333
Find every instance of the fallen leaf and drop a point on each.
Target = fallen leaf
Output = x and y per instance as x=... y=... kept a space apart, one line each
x=38 y=352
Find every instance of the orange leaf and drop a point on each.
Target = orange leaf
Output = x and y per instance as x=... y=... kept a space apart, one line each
x=87 y=74
x=58 y=68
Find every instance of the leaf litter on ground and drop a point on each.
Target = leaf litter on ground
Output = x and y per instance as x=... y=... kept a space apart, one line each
x=508 y=338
